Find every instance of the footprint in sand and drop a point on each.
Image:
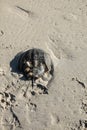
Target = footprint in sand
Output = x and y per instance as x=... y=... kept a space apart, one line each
x=82 y=125
x=9 y=120
x=7 y=100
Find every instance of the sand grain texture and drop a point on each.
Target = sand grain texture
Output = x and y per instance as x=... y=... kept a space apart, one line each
x=60 y=28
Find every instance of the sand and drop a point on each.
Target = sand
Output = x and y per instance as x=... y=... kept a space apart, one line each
x=59 y=27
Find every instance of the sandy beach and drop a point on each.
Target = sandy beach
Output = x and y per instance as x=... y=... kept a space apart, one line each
x=59 y=27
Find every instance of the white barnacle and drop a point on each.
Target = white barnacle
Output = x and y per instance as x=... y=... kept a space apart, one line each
x=30 y=74
x=28 y=63
x=27 y=69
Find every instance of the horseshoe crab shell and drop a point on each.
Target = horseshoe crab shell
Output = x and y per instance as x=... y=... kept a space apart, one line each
x=35 y=64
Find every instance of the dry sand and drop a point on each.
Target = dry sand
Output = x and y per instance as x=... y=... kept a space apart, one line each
x=60 y=28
